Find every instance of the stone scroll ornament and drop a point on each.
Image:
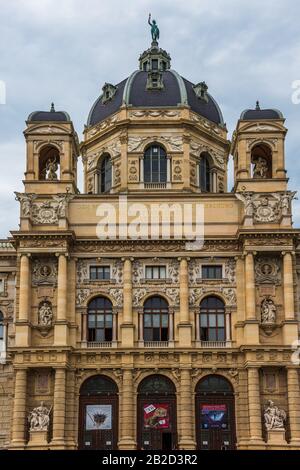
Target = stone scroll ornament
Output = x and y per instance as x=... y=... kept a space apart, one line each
x=39 y=418
x=275 y=418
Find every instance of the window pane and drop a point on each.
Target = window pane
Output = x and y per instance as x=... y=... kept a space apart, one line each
x=164 y=334
x=156 y=334
x=221 y=320
x=108 y=334
x=100 y=321
x=155 y=272
x=212 y=320
x=99 y=335
x=147 y=320
x=212 y=334
x=163 y=272
x=148 y=334
x=204 y=334
x=221 y=334
x=1 y=332
x=92 y=321
x=108 y=321
x=203 y=320
x=165 y=321
x=156 y=320
x=148 y=272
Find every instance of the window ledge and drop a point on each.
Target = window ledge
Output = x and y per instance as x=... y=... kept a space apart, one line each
x=157 y=344
x=99 y=345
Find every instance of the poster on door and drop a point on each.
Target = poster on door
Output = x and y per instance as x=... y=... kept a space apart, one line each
x=156 y=416
x=98 y=417
x=214 y=417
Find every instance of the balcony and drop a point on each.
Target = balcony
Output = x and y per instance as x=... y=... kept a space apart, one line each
x=214 y=344
x=157 y=344
x=155 y=185
x=99 y=345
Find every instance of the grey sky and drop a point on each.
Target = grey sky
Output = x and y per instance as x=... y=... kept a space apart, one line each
x=64 y=51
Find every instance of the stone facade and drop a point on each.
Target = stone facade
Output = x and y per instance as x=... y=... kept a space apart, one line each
x=47 y=287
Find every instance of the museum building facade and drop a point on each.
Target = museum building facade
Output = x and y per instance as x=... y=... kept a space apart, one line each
x=151 y=343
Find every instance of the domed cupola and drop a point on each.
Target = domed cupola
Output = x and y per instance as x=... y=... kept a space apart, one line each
x=260 y=114
x=51 y=115
x=155 y=85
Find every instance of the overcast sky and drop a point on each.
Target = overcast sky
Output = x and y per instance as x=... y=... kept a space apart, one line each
x=65 y=50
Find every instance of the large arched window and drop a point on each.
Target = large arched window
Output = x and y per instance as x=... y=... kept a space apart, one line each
x=1 y=327
x=212 y=319
x=100 y=320
x=205 y=176
x=104 y=174
x=156 y=319
x=155 y=164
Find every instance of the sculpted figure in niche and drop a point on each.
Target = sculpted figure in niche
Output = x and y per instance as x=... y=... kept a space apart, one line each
x=51 y=169
x=274 y=417
x=45 y=314
x=268 y=311
x=39 y=418
x=260 y=168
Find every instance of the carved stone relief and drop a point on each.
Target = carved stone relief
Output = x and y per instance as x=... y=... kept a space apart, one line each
x=44 y=271
x=267 y=270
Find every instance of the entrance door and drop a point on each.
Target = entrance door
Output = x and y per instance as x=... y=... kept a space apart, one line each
x=157 y=427
x=215 y=417
x=98 y=415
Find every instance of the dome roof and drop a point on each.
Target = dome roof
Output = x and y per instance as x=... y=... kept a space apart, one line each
x=177 y=91
x=51 y=115
x=258 y=114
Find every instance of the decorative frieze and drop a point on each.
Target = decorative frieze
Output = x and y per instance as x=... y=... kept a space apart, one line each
x=44 y=271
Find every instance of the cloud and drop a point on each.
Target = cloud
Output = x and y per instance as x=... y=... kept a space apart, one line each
x=64 y=52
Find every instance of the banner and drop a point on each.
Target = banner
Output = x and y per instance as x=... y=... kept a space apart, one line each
x=156 y=416
x=98 y=417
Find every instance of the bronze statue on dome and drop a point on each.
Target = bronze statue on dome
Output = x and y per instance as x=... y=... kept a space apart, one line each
x=154 y=29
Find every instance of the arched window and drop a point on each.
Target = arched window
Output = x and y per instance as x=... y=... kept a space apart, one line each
x=212 y=319
x=98 y=385
x=1 y=327
x=156 y=319
x=205 y=176
x=155 y=165
x=261 y=161
x=104 y=174
x=100 y=320
x=49 y=161
x=156 y=384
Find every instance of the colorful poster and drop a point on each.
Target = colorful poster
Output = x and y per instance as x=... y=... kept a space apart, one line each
x=156 y=416
x=98 y=417
x=214 y=416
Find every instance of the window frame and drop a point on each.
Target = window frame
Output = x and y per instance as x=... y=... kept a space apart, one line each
x=105 y=312
x=98 y=268
x=2 y=327
x=212 y=266
x=159 y=176
x=210 y=329
x=152 y=267
x=160 y=332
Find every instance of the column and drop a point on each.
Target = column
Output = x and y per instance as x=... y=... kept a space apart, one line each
x=114 y=326
x=59 y=411
x=250 y=287
x=214 y=181
x=19 y=413
x=186 y=411
x=288 y=286
x=127 y=441
x=168 y=169
x=184 y=291
x=294 y=405
x=62 y=288
x=142 y=169
x=24 y=289
x=255 y=424
x=127 y=326
x=184 y=326
x=228 y=326
x=171 y=325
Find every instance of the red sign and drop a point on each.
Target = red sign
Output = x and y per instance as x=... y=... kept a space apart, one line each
x=156 y=415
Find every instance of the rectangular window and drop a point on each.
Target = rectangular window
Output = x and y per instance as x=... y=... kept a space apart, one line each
x=211 y=272
x=156 y=272
x=99 y=273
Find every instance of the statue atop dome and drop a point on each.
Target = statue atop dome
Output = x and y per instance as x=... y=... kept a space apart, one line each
x=154 y=29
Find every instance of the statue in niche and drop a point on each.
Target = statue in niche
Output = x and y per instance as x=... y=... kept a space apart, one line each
x=260 y=168
x=51 y=169
x=274 y=417
x=268 y=311
x=45 y=314
x=39 y=418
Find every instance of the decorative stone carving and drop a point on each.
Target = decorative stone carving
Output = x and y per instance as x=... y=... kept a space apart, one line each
x=138 y=294
x=51 y=169
x=173 y=294
x=177 y=170
x=103 y=125
x=48 y=212
x=39 y=418
x=275 y=418
x=133 y=172
x=44 y=271
x=135 y=143
x=268 y=311
x=117 y=272
x=194 y=271
x=117 y=174
x=113 y=149
x=286 y=202
x=230 y=295
x=117 y=295
x=230 y=270
x=261 y=208
x=259 y=140
x=81 y=296
x=195 y=296
x=137 y=272
x=154 y=114
x=196 y=148
x=25 y=201
x=267 y=270
x=82 y=271
x=173 y=271
x=45 y=314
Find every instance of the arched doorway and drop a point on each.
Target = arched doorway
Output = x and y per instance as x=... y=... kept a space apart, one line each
x=98 y=414
x=215 y=416
x=157 y=427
